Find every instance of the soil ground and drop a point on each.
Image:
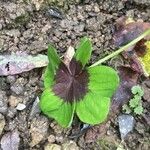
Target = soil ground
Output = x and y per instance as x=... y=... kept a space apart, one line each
x=29 y=26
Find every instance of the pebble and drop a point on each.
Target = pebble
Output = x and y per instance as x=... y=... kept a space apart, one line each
x=35 y=108
x=14 y=101
x=66 y=24
x=59 y=139
x=140 y=128
x=11 y=112
x=70 y=145
x=13 y=33
x=79 y=28
x=96 y=8
x=2 y=123
x=38 y=130
x=52 y=147
x=51 y=138
x=126 y=124
x=3 y=85
x=56 y=127
x=17 y=89
x=55 y=13
x=21 y=106
x=18 y=86
x=14 y=10
x=11 y=79
x=37 y=3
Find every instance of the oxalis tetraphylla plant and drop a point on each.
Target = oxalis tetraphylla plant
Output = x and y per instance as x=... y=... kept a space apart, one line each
x=75 y=88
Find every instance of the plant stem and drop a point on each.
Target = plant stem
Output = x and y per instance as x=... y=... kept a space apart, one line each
x=147 y=32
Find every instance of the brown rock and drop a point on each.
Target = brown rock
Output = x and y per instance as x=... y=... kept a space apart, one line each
x=38 y=130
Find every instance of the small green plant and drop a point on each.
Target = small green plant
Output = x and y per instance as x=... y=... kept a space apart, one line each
x=75 y=88
x=135 y=104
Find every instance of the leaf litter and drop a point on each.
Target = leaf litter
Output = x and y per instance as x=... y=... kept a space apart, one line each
x=17 y=63
x=138 y=55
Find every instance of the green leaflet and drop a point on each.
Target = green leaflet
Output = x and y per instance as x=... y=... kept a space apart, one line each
x=53 y=56
x=84 y=50
x=49 y=101
x=103 y=80
x=56 y=108
x=54 y=62
x=93 y=109
x=64 y=114
x=48 y=76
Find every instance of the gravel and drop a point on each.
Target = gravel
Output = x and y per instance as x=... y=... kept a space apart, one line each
x=27 y=27
x=38 y=130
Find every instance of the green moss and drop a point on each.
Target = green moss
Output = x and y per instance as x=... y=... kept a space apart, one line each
x=21 y=20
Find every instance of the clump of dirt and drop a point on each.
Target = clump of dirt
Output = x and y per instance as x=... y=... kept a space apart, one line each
x=29 y=26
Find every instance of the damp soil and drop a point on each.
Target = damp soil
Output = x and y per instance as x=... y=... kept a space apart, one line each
x=29 y=26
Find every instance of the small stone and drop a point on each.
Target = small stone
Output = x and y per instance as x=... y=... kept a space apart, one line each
x=70 y=145
x=46 y=28
x=66 y=24
x=51 y=138
x=3 y=84
x=21 y=106
x=96 y=8
x=59 y=139
x=57 y=128
x=18 y=86
x=37 y=3
x=38 y=130
x=3 y=102
x=79 y=28
x=2 y=123
x=126 y=124
x=52 y=147
x=27 y=34
x=13 y=33
x=35 y=109
x=140 y=128
x=38 y=45
x=10 y=140
x=11 y=112
x=88 y=8
x=11 y=79
x=14 y=101
x=53 y=12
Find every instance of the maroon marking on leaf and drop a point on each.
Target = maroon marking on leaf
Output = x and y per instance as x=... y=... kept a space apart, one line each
x=71 y=83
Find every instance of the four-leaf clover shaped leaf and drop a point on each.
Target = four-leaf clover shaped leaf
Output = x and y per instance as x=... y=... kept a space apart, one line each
x=77 y=89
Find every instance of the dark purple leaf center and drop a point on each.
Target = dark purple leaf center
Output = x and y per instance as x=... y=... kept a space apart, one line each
x=71 y=83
